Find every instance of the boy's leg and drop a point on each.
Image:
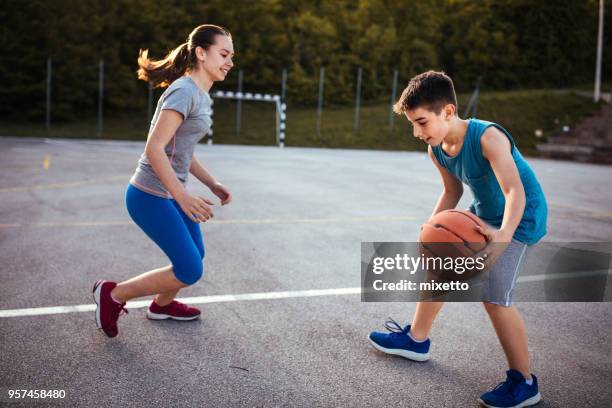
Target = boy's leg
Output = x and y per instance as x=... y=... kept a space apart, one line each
x=497 y=300
x=423 y=319
x=521 y=387
x=512 y=335
x=404 y=341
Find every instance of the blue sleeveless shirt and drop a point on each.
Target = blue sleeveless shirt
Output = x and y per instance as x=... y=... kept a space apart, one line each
x=471 y=167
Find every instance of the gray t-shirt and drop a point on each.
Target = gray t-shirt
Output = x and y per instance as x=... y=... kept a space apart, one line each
x=185 y=97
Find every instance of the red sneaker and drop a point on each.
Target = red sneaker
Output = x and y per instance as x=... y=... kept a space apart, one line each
x=173 y=310
x=108 y=311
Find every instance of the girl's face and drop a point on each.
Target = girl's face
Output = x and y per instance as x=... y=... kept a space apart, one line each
x=216 y=61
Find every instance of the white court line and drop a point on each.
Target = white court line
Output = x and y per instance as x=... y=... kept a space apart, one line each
x=199 y=300
x=569 y=275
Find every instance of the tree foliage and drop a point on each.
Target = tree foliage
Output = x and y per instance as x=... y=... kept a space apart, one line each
x=506 y=43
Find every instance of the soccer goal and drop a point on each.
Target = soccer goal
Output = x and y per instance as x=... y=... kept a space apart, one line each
x=247 y=96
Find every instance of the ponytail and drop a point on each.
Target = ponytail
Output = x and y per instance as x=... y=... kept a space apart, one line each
x=163 y=72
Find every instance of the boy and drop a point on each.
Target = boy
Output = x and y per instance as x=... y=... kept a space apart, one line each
x=507 y=196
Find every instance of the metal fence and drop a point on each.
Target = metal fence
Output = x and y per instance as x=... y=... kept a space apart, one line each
x=280 y=98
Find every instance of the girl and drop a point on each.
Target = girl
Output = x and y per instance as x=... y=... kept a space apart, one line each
x=156 y=197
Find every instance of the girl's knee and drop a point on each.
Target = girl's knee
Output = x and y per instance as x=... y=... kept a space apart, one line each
x=202 y=251
x=197 y=271
x=190 y=272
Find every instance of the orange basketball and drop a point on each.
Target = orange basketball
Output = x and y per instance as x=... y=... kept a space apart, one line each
x=452 y=234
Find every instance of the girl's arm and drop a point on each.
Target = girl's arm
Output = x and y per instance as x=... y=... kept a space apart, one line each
x=201 y=173
x=196 y=208
x=165 y=128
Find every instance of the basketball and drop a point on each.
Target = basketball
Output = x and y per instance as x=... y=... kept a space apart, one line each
x=452 y=234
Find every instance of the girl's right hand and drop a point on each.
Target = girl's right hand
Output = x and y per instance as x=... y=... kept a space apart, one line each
x=197 y=208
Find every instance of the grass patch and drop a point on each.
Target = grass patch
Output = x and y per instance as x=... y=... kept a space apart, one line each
x=521 y=112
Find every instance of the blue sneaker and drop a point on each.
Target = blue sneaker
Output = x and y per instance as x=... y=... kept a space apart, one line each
x=512 y=393
x=399 y=343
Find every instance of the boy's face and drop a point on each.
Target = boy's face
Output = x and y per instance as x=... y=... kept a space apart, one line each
x=430 y=127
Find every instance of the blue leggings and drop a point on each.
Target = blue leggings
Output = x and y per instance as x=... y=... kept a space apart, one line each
x=171 y=229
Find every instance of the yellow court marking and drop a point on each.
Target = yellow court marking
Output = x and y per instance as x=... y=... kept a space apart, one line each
x=47 y=162
x=318 y=220
x=270 y=221
x=78 y=224
x=230 y=221
x=60 y=185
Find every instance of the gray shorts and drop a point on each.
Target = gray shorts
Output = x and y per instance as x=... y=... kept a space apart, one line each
x=504 y=273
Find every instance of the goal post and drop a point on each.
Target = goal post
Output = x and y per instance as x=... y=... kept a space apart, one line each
x=281 y=107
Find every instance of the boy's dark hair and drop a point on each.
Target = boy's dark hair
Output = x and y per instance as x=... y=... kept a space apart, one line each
x=431 y=90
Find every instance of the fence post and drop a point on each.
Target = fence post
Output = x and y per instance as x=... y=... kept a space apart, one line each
x=600 y=28
x=284 y=85
x=320 y=102
x=48 y=105
x=473 y=102
x=100 y=97
x=393 y=96
x=357 y=100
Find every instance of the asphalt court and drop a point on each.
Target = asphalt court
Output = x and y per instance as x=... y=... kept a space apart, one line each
x=295 y=226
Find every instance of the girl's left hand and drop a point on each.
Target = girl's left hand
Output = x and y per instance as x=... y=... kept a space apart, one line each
x=222 y=192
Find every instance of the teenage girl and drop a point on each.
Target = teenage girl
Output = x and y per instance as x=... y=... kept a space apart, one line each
x=156 y=197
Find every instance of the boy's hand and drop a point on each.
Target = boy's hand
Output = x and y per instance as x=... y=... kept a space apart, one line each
x=222 y=192
x=497 y=242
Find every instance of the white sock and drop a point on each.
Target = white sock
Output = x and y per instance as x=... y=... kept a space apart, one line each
x=530 y=381
x=415 y=340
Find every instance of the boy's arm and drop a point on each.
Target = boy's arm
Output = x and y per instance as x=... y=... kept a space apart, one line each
x=453 y=188
x=496 y=148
